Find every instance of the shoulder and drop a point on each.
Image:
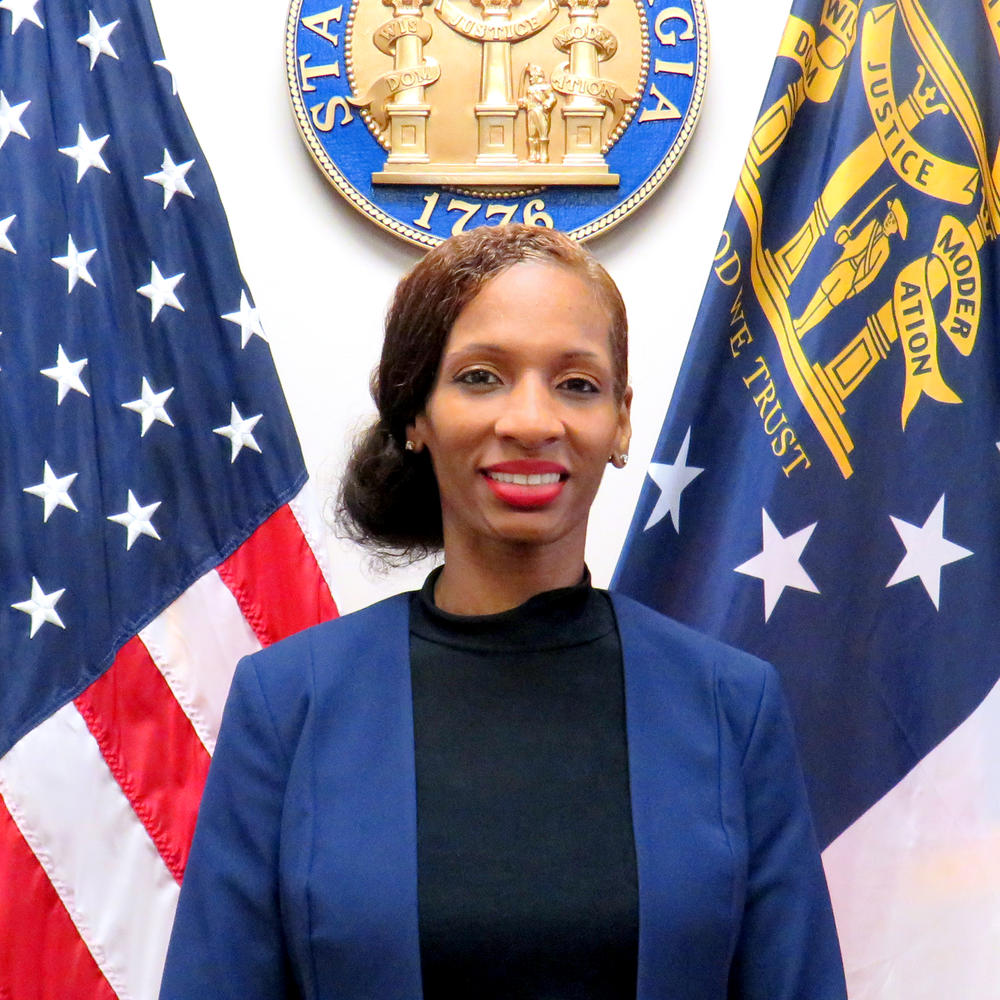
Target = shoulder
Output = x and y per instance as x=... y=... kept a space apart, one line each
x=287 y=675
x=338 y=636
x=692 y=665
x=674 y=641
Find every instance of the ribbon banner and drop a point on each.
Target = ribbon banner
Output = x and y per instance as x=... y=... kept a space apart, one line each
x=606 y=91
x=955 y=252
x=384 y=87
x=919 y=167
x=389 y=34
x=913 y=312
x=483 y=31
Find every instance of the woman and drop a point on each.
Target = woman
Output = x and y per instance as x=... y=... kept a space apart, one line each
x=510 y=784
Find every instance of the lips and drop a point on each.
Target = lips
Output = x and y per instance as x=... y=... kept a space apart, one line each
x=526 y=484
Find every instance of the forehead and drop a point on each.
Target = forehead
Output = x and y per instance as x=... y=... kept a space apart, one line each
x=534 y=302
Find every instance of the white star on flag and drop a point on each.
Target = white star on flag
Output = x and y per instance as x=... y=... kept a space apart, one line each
x=75 y=262
x=171 y=178
x=5 y=243
x=239 y=432
x=98 y=40
x=136 y=520
x=160 y=291
x=246 y=319
x=86 y=152
x=10 y=119
x=41 y=607
x=672 y=481
x=150 y=406
x=67 y=374
x=21 y=11
x=53 y=490
x=164 y=65
x=927 y=551
x=777 y=564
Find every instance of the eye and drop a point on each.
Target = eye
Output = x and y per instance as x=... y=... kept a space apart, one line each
x=477 y=377
x=579 y=384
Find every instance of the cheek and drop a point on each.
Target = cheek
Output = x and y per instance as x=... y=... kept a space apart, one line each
x=451 y=430
x=604 y=439
x=452 y=460
x=591 y=471
x=600 y=446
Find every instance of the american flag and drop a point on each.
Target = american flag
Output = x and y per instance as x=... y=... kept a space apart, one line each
x=825 y=488
x=152 y=522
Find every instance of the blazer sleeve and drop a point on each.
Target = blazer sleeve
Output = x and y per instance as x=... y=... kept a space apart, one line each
x=227 y=939
x=787 y=947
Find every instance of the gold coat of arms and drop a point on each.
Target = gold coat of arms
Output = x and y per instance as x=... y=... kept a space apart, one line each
x=435 y=115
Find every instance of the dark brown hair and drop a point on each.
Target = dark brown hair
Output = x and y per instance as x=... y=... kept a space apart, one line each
x=389 y=498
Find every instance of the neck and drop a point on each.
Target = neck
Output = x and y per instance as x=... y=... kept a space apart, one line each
x=487 y=583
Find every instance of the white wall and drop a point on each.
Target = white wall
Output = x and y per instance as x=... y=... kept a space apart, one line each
x=321 y=274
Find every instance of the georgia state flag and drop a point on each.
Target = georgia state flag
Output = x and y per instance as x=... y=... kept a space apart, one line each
x=826 y=487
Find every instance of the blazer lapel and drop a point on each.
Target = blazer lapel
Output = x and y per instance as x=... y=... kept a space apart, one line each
x=683 y=852
x=372 y=925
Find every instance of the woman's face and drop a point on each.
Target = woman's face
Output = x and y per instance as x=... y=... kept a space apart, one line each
x=523 y=418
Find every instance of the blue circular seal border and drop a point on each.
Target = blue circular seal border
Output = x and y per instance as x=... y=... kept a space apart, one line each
x=346 y=151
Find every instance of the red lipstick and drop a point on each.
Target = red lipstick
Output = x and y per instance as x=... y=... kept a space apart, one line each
x=526 y=483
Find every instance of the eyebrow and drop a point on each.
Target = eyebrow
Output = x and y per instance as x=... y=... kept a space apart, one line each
x=488 y=348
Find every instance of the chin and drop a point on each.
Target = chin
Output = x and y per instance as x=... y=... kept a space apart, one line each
x=534 y=528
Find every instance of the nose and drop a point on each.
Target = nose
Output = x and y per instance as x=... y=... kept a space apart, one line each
x=530 y=414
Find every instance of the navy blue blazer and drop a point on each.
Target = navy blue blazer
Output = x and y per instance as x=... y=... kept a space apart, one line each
x=302 y=879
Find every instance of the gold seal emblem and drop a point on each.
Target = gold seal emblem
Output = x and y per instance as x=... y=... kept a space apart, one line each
x=434 y=115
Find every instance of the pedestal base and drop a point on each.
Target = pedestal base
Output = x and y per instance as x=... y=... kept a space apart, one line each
x=583 y=136
x=408 y=133
x=495 y=124
x=519 y=174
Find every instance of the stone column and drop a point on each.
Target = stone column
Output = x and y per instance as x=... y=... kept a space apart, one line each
x=496 y=109
x=583 y=115
x=408 y=111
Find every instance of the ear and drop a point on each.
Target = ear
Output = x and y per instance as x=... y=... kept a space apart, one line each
x=416 y=434
x=624 y=422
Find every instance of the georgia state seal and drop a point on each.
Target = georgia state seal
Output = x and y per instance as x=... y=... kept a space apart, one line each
x=432 y=116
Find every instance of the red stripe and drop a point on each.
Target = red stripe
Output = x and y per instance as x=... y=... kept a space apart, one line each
x=41 y=953
x=276 y=580
x=150 y=747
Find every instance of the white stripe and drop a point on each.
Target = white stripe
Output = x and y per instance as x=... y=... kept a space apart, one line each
x=96 y=853
x=313 y=528
x=916 y=880
x=195 y=644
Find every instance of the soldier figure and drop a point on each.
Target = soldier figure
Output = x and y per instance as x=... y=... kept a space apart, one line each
x=863 y=257
x=537 y=99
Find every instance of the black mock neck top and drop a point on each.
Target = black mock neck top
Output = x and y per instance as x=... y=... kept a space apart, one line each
x=527 y=882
